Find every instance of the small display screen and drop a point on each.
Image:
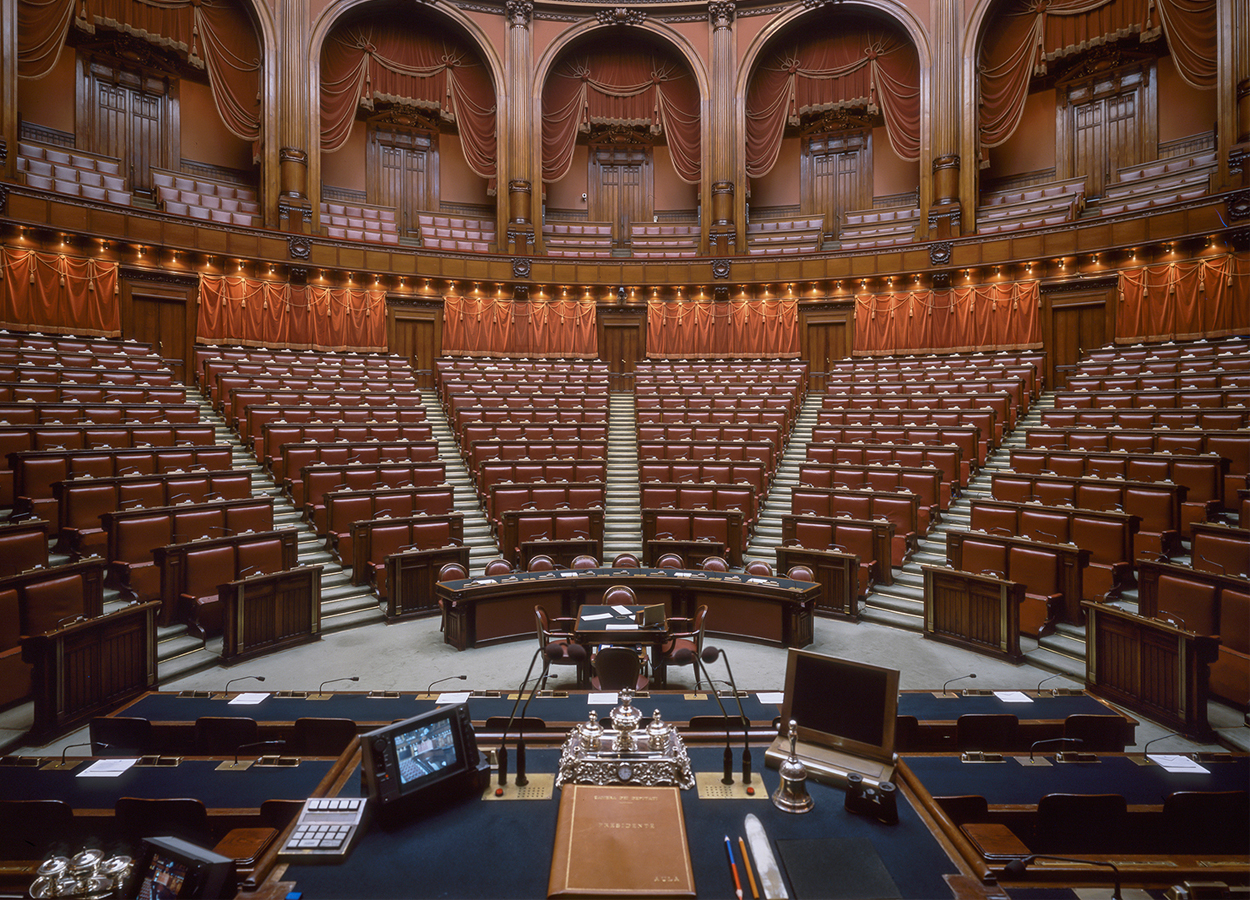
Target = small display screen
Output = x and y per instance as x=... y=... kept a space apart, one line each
x=425 y=750
x=163 y=880
x=840 y=699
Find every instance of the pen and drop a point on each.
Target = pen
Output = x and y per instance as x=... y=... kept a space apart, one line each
x=746 y=861
x=733 y=867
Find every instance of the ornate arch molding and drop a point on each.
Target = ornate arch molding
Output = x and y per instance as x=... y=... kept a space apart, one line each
x=672 y=38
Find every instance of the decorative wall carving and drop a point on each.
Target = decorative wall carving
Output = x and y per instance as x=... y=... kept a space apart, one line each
x=721 y=13
x=1239 y=205
x=720 y=268
x=520 y=12
x=940 y=253
x=299 y=247
x=620 y=15
x=520 y=266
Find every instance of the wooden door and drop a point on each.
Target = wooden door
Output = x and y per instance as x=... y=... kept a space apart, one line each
x=837 y=175
x=826 y=336
x=620 y=189
x=417 y=334
x=161 y=322
x=1078 y=323
x=131 y=116
x=621 y=341
x=401 y=173
x=1108 y=122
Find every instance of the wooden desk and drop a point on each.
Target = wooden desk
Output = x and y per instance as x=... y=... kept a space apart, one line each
x=481 y=611
x=979 y=612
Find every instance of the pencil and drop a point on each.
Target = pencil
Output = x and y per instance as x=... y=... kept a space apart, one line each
x=733 y=867
x=746 y=861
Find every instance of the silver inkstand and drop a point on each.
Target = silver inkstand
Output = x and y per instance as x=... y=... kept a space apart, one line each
x=626 y=752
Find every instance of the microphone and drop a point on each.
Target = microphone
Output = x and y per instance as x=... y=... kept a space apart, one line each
x=226 y=692
x=1058 y=740
x=1016 y=868
x=1146 y=749
x=1211 y=562
x=63 y=764
x=1171 y=618
x=959 y=678
x=709 y=654
x=321 y=689
x=680 y=658
x=1038 y=689
x=553 y=651
x=502 y=754
x=66 y=620
x=448 y=678
x=253 y=746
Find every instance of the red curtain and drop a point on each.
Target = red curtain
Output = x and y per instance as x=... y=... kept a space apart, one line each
x=215 y=35
x=862 y=63
x=990 y=316
x=489 y=326
x=1185 y=300
x=238 y=310
x=697 y=329
x=1026 y=34
x=627 y=84
x=406 y=63
x=58 y=294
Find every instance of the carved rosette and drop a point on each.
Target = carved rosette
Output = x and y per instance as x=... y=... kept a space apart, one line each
x=299 y=247
x=720 y=268
x=520 y=13
x=520 y=266
x=4 y=199
x=1239 y=205
x=721 y=13
x=940 y=253
x=620 y=15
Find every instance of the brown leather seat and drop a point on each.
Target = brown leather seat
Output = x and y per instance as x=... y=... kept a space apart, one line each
x=617 y=668
x=685 y=634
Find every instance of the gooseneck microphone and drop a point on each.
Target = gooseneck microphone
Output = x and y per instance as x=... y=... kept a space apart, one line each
x=448 y=678
x=1146 y=749
x=686 y=655
x=1038 y=689
x=70 y=747
x=502 y=754
x=553 y=651
x=1058 y=740
x=959 y=678
x=226 y=692
x=322 y=687
x=709 y=654
x=1016 y=868
x=254 y=745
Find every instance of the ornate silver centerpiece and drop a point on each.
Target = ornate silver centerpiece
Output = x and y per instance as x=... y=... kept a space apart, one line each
x=626 y=752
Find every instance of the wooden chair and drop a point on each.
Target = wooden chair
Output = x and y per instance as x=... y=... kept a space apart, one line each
x=617 y=668
x=685 y=634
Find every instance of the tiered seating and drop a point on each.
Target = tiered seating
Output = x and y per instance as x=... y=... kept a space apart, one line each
x=664 y=241
x=578 y=239
x=784 y=237
x=709 y=438
x=1036 y=206
x=293 y=458
x=352 y=222
x=879 y=227
x=72 y=172
x=533 y=435
x=205 y=199
x=1158 y=183
x=459 y=233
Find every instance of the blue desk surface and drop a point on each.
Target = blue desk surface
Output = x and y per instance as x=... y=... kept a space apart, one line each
x=1009 y=783
x=484 y=849
x=169 y=707
x=194 y=778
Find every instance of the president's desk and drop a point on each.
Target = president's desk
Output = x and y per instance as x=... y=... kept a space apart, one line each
x=486 y=848
x=927 y=719
x=480 y=611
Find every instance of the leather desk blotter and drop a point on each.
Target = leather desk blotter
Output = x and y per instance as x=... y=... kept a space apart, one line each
x=620 y=841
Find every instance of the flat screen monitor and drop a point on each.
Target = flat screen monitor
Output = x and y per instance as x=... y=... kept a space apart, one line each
x=409 y=757
x=845 y=712
x=169 y=868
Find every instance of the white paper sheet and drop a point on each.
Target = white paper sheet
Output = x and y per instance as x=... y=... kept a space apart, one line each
x=595 y=617
x=249 y=699
x=777 y=697
x=616 y=626
x=621 y=610
x=106 y=768
x=1174 y=762
x=448 y=697
x=1013 y=696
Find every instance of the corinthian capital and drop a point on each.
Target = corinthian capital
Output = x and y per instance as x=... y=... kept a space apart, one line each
x=721 y=13
x=520 y=12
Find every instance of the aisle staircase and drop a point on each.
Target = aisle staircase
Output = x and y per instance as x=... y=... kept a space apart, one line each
x=767 y=535
x=622 y=514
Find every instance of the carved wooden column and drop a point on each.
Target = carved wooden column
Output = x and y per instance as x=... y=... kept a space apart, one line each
x=8 y=88
x=723 y=156
x=295 y=206
x=520 y=73
x=1233 y=87
x=945 y=209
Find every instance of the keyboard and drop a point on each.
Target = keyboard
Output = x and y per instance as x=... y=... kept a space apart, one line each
x=326 y=829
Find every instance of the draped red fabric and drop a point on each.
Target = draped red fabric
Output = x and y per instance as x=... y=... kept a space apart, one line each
x=629 y=83
x=695 y=329
x=863 y=62
x=1185 y=300
x=58 y=294
x=998 y=316
x=495 y=327
x=1025 y=35
x=215 y=35
x=257 y=313
x=405 y=63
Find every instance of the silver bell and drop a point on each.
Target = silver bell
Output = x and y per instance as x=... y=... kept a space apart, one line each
x=791 y=795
